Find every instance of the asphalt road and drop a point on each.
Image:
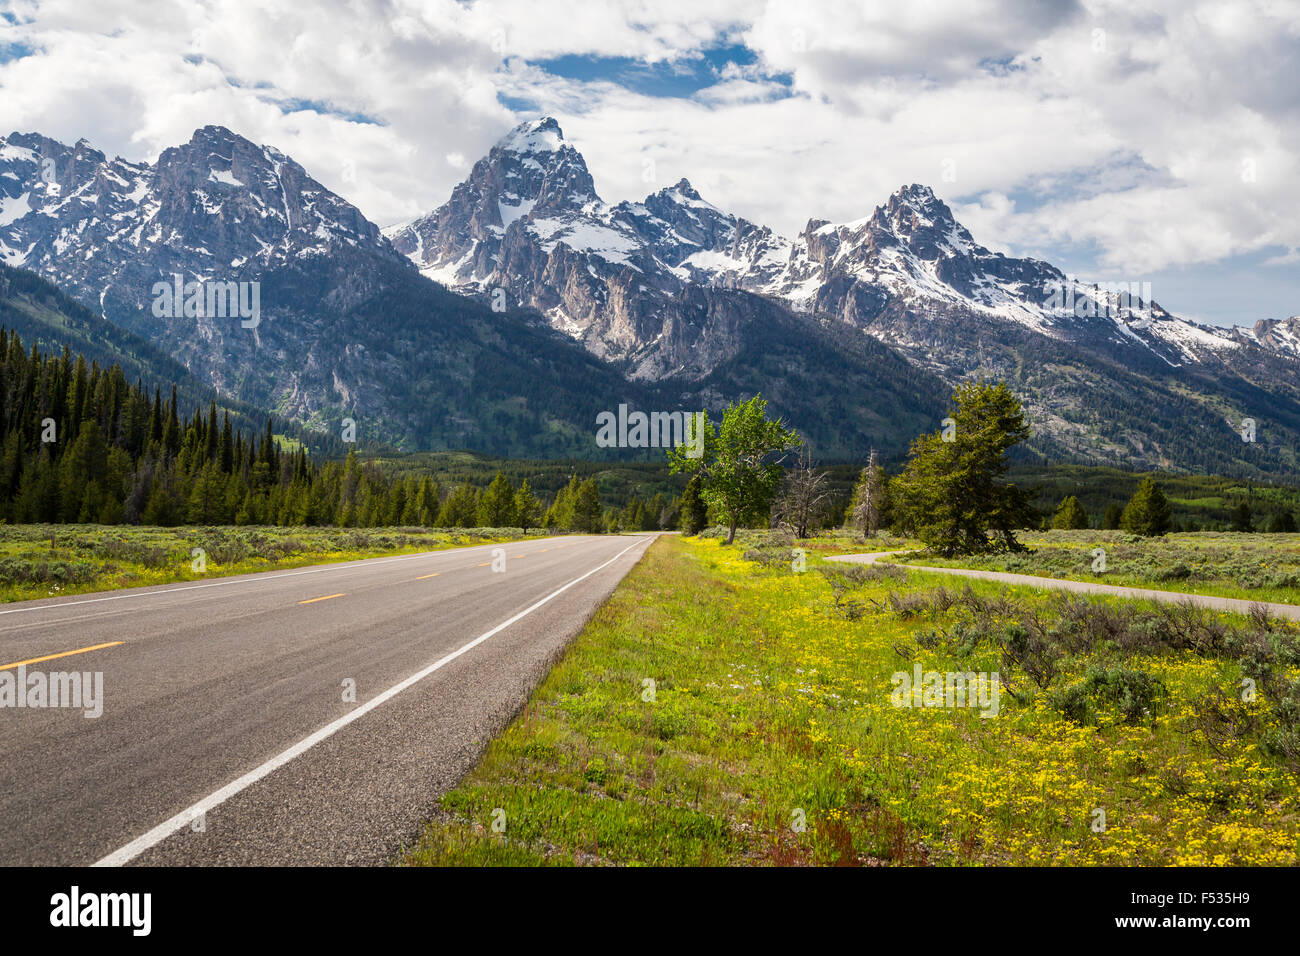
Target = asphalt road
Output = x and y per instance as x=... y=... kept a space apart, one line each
x=225 y=737
x=1232 y=605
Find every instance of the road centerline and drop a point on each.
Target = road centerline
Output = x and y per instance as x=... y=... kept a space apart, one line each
x=50 y=657
x=185 y=817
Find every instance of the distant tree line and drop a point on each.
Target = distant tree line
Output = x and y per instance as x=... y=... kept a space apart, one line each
x=1149 y=512
x=82 y=444
x=950 y=494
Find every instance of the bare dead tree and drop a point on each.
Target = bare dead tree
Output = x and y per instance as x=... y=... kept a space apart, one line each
x=804 y=498
x=868 y=496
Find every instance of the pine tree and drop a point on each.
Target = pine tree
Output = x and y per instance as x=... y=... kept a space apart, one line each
x=587 y=517
x=1243 y=518
x=1282 y=523
x=496 y=506
x=1070 y=515
x=694 y=513
x=528 y=510
x=207 y=502
x=560 y=514
x=949 y=495
x=1148 y=512
x=460 y=510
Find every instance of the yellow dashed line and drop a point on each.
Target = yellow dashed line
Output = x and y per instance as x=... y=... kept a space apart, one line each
x=485 y=564
x=50 y=657
x=325 y=598
x=433 y=575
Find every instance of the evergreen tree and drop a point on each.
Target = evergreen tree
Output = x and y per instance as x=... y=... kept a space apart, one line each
x=1148 y=512
x=694 y=513
x=207 y=502
x=1243 y=518
x=496 y=506
x=1282 y=523
x=587 y=517
x=1070 y=515
x=528 y=510
x=460 y=510
x=560 y=515
x=949 y=495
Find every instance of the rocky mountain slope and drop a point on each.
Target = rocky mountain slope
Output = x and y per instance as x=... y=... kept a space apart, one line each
x=666 y=288
x=348 y=327
x=563 y=305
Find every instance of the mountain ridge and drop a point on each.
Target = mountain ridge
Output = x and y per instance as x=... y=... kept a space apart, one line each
x=663 y=299
x=908 y=274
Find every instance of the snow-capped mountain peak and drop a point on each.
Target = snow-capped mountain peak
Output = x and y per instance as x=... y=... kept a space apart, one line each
x=218 y=207
x=535 y=136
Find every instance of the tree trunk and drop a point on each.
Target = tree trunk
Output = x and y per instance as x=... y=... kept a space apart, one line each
x=731 y=533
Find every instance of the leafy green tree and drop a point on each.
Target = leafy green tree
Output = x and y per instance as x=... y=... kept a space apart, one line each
x=1148 y=512
x=949 y=495
x=1110 y=520
x=1070 y=516
x=739 y=469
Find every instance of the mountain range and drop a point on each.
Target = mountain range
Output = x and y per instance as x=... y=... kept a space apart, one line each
x=548 y=304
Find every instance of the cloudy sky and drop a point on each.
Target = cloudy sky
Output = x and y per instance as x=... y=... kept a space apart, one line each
x=1123 y=141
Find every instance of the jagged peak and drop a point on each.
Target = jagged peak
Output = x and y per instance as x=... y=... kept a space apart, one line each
x=214 y=132
x=541 y=135
x=914 y=192
x=684 y=187
x=682 y=193
x=918 y=198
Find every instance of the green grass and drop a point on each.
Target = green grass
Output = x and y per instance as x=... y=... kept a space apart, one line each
x=771 y=707
x=41 y=561
x=1254 y=567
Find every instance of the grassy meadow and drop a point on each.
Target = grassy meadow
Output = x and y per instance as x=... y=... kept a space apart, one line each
x=42 y=561
x=1262 y=567
x=722 y=709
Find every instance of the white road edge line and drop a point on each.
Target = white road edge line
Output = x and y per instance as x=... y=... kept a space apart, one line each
x=186 y=817
x=258 y=576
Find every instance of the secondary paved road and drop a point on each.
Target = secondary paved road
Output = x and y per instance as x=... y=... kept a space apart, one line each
x=1234 y=605
x=227 y=697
